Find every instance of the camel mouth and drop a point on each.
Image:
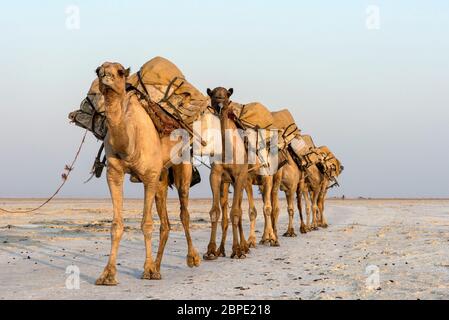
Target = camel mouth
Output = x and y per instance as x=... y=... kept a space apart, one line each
x=72 y=116
x=107 y=80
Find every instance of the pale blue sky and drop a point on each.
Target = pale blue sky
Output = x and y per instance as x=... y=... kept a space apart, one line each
x=378 y=98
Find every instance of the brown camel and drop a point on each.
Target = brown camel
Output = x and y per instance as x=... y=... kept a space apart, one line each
x=291 y=183
x=242 y=176
x=182 y=174
x=330 y=168
x=320 y=168
x=132 y=146
x=229 y=169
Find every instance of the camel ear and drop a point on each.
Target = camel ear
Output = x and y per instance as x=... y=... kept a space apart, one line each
x=97 y=71
x=209 y=92
x=127 y=72
x=230 y=92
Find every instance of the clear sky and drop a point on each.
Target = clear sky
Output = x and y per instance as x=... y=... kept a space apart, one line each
x=376 y=91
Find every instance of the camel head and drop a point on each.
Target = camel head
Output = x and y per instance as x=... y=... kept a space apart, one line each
x=219 y=97
x=112 y=77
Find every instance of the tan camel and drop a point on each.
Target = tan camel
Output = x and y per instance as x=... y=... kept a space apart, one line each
x=229 y=169
x=182 y=178
x=132 y=146
x=317 y=181
x=222 y=175
x=291 y=183
x=330 y=169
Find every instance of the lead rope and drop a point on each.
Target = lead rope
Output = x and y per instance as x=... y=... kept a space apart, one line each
x=68 y=169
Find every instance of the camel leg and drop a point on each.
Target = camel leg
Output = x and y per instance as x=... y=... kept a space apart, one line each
x=302 y=228
x=315 y=194
x=252 y=215
x=243 y=243
x=183 y=178
x=151 y=186
x=307 y=201
x=321 y=199
x=268 y=236
x=215 y=183
x=115 y=178
x=161 y=206
x=236 y=216
x=291 y=211
x=224 y=198
x=277 y=179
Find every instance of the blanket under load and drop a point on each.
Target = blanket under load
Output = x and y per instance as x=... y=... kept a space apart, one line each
x=166 y=85
x=90 y=115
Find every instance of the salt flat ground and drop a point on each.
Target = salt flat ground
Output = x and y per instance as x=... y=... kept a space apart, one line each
x=407 y=240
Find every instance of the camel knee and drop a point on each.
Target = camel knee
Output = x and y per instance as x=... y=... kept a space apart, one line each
x=214 y=214
x=291 y=212
x=147 y=227
x=184 y=215
x=253 y=214
x=224 y=203
x=267 y=210
x=165 y=226
x=236 y=215
x=117 y=227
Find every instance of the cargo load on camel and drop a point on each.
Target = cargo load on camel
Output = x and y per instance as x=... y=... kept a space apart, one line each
x=169 y=99
x=284 y=122
x=173 y=97
x=252 y=115
x=329 y=164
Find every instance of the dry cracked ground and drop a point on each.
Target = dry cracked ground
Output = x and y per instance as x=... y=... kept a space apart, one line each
x=401 y=243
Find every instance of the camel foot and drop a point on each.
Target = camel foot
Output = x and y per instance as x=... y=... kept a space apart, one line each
x=290 y=233
x=324 y=225
x=148 y=275
x=265 y=242
x=237 y=253
x=244 y=247
x=107 y=278
x=193 y=260
x=275 y=243
x=211 y=253
x=314 y=227
x=221 y=251
x=303 y=229
x=252 y=241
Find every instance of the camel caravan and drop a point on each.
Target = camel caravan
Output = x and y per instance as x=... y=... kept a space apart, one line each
x=154 y=124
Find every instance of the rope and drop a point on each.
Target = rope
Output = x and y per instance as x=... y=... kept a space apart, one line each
x=65 y=177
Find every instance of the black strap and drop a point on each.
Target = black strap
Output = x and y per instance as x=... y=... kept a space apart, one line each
x=139 y=76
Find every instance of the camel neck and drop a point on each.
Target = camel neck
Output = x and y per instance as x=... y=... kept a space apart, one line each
x=229 y=131
x=113 y=106
x=116 y=123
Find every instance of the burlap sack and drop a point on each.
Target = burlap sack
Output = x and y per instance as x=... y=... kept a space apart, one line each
x=167 y=86
x=285 y=123
x=253 y=115
x=309 y=141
